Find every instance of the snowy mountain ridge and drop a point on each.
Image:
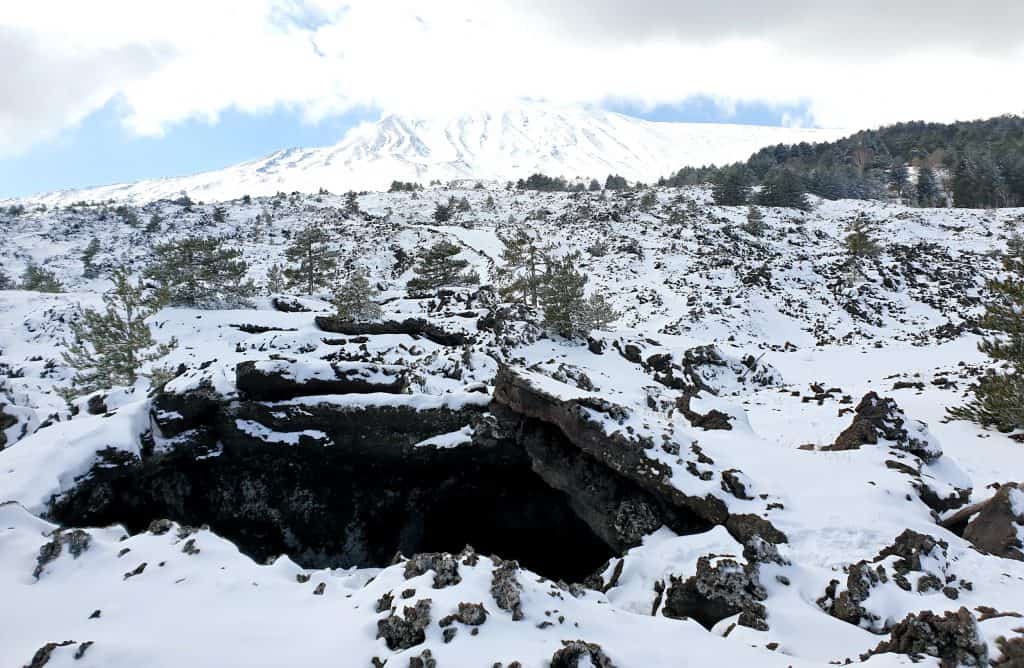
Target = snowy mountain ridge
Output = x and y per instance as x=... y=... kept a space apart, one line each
x=501 y=145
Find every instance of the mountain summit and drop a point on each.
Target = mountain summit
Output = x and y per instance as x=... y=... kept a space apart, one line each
x=501 y=144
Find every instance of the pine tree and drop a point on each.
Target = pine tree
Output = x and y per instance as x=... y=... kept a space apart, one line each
x=200 y=272
x=783 y=188
x=594 y=186
x=731 y=188
x=566 y=309
x=615 y=182
x=89 y=270
x=521 y=275
x=153 y=226
x=648 y=201
x=355 y=299
x=219 y=214
x=899 y=176
x=860 y=241
x=111 y=346
x=444 y=212
x=6 y=282
x=927 y=187
x=438 y=267
x=999 y=397
x=39 y=279
x=755 y=224
x=275 y=281
x=314 y=262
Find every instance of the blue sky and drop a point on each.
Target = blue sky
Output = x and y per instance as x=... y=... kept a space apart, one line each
x=101 y=151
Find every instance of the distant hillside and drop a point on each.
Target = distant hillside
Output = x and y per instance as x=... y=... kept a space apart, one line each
x=975 y=163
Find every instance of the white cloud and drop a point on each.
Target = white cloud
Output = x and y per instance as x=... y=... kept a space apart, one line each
x=855 y=64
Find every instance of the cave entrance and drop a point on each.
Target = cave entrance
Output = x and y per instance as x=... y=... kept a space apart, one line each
x=322 y=511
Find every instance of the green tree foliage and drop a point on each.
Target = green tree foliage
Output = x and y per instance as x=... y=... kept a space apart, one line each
x=200 y=272
x=153 y=226
x=927 y=189
x=110 y=346
x=443 y=211
x=6 y=282
x=785 y=188
x=543 y=183
x=438 y=267
x=594 y=185
x=88 y=257
x=355 y=299
x=522 y=273
x=860 y=239
x=220 y=214
x=275 y=281
x=858 y=166
x=404 y=187
x=999 y=397
x=615 y=182
x=899 y=178
x=567 y=311
x=648 y=201
x=731 y=187
x=755 y=224
x=39 y=279
x=313 y=260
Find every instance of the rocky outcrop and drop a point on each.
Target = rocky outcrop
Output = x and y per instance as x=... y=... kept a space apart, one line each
x=914 y=562
x=581 y=424
x=281 y=378
x=6 y=422
x=416 y=327
x=877 y=419
x=996 y=525
x=77 y=541
x=407 y=630
x=721 y=588
x=952 y=638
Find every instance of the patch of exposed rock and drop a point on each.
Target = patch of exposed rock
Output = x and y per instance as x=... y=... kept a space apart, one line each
x=996 y=525
x=277 y=379
x=914 y=563
x=877 y=419
x=416 y=327
x=952 y=638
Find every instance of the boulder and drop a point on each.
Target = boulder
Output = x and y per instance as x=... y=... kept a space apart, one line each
x=995 y=525
x=877 y=419
x=721 y=588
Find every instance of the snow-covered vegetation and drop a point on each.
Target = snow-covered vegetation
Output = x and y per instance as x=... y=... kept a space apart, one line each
x=746 y=460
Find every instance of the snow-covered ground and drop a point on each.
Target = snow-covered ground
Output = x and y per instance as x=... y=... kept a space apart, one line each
x=801 y=338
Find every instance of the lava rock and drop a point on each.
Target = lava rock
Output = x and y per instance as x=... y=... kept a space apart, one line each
x=578 y=654
x=878 y=419
x=953 y=638
x=408 y=630
x=411 y=326
x=992 y=525
x=278 y=379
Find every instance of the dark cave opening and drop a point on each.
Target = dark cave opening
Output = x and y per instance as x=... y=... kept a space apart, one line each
x=322 y=510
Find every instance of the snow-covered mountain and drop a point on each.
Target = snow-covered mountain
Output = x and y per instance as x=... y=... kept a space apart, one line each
x=504 y=144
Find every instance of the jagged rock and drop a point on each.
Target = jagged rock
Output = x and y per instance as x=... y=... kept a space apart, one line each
x=277 y=379
x=42 y=655
x=580 y=654
x=994 y=525
x=424 y=660
x=713 y=419
x=444 y=565
x=408 y=630
x=878 y=419
x=721 y=587
x=289 y=305
x=505 y=587
x=707 y=369
x=910 y=553
x=76 y=540
x=410 y=326
x=470 y=614
x=97 y=404
x=6 y=422
x=953 y=638
x=1011 y=652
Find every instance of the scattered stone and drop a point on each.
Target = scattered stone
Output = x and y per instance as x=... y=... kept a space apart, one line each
x=407 y=631
x=320 y=589
x=580 y=654
x=505 y=587
x=444 y=565
x=76 y=540
x=42 y=655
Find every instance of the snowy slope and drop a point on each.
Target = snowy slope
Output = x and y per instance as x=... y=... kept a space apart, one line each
x=504 y=144
x=682 y=273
